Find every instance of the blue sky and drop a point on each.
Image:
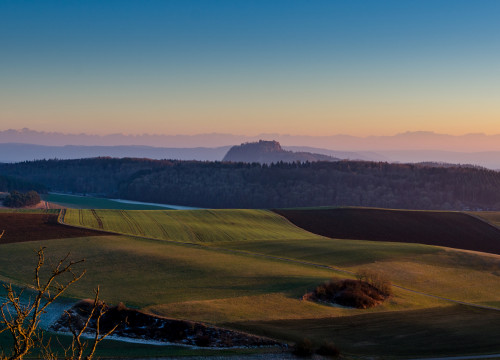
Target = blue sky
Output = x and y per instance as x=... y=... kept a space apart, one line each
x=300 y=67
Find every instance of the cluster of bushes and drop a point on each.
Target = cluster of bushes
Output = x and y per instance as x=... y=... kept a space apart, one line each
x=17 y=199
x=306 y=348
x=369 y=290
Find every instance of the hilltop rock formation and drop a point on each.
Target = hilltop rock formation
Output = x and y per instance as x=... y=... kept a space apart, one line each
x=267 y=152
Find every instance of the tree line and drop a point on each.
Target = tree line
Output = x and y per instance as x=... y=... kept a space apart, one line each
x=243 y=185
x=9 y=183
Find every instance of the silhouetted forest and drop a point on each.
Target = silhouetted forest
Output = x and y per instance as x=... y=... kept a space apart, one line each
x=9 y=183
x=240 y=185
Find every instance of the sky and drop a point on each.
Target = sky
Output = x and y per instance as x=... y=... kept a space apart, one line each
x=249 y=67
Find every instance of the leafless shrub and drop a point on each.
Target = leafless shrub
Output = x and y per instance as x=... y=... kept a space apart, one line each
x=376 y=279
x=22 y=319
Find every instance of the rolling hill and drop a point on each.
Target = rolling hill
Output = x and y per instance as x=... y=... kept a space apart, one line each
x=248 y=269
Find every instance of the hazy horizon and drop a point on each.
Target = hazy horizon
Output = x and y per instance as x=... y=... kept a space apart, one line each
x=254 y=134
x=407 y=141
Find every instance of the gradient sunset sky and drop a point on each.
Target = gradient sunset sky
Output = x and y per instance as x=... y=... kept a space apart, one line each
x=249 y=67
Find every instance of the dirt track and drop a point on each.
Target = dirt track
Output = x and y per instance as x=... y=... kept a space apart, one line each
x=450 y=229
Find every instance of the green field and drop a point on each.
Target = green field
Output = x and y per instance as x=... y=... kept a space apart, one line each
x=432 y=332
x=207 y=265
x=143 y=272
x=260 y=231
x=455 y=274
x=110 y=349
x=191 y=282
x=198 y=226
x=89 y=202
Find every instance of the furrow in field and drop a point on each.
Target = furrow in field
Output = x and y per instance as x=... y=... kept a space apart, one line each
x=98 y=219
x=136 y=228
x=162 y=229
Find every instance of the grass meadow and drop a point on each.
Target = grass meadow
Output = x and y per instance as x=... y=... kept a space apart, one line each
x=460 y=275
x=204 y=265
x=196 y=226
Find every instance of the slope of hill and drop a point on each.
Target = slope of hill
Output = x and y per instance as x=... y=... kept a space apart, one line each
x=233 y=283
x=203 y=226
x=267 y=152
x=450 y=229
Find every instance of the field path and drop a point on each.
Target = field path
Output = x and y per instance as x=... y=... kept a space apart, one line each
x=289 y=260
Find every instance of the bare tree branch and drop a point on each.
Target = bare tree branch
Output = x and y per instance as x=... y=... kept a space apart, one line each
x=22 y=320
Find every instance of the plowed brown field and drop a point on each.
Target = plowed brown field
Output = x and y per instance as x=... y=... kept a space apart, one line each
x=21 y=227
x=442 y=228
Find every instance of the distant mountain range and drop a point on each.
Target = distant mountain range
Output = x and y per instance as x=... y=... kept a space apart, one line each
x=22 y=152
x=267 y=152
x=22 y=145
x=419 y=140
x=27 y=152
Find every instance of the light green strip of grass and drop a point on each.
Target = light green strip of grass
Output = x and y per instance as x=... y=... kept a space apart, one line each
x=203 y=226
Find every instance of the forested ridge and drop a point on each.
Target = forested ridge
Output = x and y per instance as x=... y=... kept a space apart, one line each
x=242 y=185
x=10 y=183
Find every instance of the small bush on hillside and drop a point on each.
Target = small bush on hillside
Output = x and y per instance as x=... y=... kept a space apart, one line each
x=352 y=293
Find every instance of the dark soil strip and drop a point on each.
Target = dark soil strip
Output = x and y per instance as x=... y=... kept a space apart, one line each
x=32 y=227
x=450 y=229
